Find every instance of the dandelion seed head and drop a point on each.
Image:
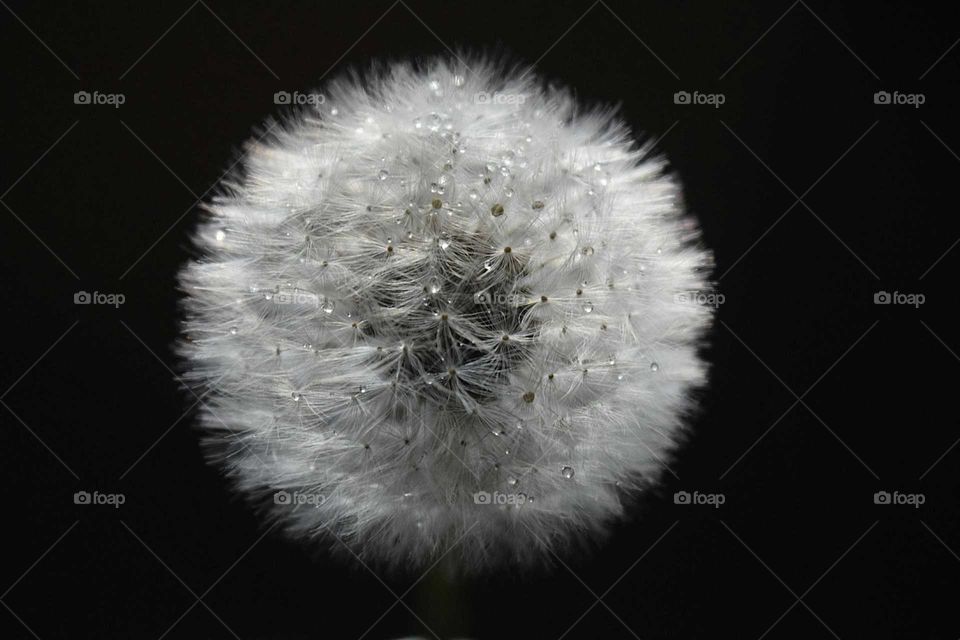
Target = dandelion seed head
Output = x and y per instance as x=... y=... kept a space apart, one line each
x=440 y=286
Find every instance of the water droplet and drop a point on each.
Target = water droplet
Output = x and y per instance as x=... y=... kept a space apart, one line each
x=567 y=472
x=458 y=80
x=496 y=210
x=588 y=307
x=588 y=251
x=221 y=235
x=417 y=123
x=383 y=174
x=361 y=389
x=654 y=367
x=473 y=194
x=296 y=396
x=328 y=305
x=233 y=331
x=434 y=285
x=512 y=481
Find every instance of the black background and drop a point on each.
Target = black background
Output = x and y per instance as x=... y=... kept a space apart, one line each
x=109 y=208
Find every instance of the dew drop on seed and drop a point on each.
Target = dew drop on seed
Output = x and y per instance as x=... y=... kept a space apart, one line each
x=417 y=123
x=587 y=307
x=434 y=285
x=233 y=331
x=654 y=367
x=383 y=174
x=567 y=472
x=512 y=482
x=296 y=396
x=473 y=194
x=328 y=306
x=588 y=251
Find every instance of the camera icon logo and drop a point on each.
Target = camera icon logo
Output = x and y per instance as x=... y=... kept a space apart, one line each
x=681 y=97
x=681 y=497
x=482 y=98
x=81 y=297
x=81 y=497
x=881 y=497
x=481 y=497
x=881 y=297
x=281 y=497
x=481 y=297
x=81 y=97
x=281 y=97
x=881 y=97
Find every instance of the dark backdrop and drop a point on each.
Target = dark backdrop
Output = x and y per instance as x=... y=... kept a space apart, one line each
x=813 y=196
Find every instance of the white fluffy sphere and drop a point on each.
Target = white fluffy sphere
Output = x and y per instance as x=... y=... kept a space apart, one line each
x=442 y=307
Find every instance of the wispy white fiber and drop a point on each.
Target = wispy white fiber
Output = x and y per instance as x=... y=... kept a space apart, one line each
x=446 y=307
